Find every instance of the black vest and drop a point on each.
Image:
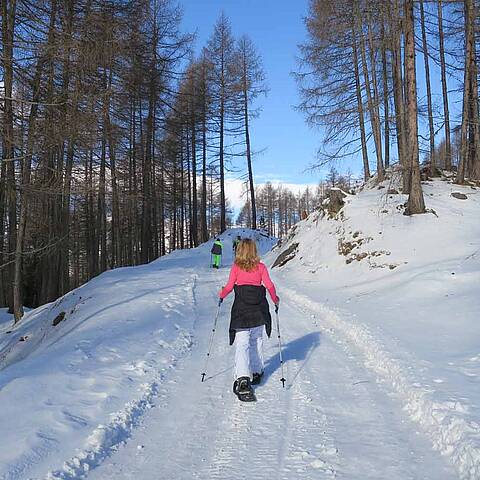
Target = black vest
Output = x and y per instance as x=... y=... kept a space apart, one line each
x=216 y=249
x=250 y=309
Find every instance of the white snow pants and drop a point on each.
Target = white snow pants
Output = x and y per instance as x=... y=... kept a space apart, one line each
x=248 y=351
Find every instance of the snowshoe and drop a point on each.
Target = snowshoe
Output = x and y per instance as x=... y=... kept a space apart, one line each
x=257 y=378
x=243 y=389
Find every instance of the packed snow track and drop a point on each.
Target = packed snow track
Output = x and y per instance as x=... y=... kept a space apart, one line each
x=119 y=392
x=333 y=420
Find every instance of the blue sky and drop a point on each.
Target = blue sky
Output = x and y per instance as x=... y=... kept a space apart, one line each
x=286 y=145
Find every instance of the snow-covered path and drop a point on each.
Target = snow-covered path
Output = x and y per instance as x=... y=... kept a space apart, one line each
x=117 y=391
x=333 y=420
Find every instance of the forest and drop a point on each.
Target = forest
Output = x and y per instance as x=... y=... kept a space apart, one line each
x=361 y=72
x=116 y=138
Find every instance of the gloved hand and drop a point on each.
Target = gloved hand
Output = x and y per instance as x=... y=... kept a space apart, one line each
x=277 y=303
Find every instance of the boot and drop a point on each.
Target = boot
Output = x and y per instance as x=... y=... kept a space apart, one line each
x=242 y=385
x=243 y=389
x=257 y=378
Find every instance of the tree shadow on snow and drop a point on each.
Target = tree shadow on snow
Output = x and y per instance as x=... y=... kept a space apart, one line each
x=299 y=349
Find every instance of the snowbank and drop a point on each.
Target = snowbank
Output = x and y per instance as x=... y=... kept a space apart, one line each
x=404 y=291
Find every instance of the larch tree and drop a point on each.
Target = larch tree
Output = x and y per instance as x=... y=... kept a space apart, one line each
x=443 y=72
x=415 y=203
x=220 y=52
x=469 y=165
x=251 y=83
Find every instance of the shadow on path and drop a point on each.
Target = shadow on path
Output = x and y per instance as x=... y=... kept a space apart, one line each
x=299 y=349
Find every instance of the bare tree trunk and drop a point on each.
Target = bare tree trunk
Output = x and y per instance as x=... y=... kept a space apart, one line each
x=69 y=114
x=203 y=207
x=173 y=223
x=376 y=102
x=3 y=272
x=473 y=166
x=194 y=203
x=25 y=185
x=189 y=192
x=446 y=114
x=467 y=93
x=474 y=162
x=358 y=90
x=249 y=154
x=386 y=105
x=415 y=202
x=398 y=94
x=429 y=92
x=101 y=206
x=146 y=251
x=223 y=225
x=163 y=249
x=371 y=108
x=8 y=150
x=91 y=242
x=181 y=230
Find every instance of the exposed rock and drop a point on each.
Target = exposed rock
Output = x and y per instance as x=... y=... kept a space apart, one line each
x=58 y=319
x=335 y=203
x=286 y=256
x=460 y=196
x=392 y=191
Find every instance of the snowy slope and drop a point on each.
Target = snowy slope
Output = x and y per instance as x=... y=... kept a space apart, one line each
x=113 y=390
x=405 y=292
x=73 y=390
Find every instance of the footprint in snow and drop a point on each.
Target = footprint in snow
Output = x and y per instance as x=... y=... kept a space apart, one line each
x=319 y=464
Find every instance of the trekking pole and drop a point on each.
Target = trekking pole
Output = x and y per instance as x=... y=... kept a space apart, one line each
x=280 y=347
x=211 y=339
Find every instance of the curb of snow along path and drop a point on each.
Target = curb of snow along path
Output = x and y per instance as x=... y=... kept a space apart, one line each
x=442 y=422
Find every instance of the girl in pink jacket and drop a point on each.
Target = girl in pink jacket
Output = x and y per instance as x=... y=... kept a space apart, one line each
x=250 y=315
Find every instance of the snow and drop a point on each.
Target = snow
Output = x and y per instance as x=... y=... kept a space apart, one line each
x=409 y=303
x=381 y=359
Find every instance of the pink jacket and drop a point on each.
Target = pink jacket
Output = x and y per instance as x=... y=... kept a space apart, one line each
x=255 y=277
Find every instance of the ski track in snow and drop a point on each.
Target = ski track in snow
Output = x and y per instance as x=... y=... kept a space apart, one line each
x=339 y=417
x=451 y=435
x=106 y=439
x=326 y=424
x=265 y=438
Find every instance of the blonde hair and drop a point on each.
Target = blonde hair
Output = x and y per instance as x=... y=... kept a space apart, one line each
x=247 y=256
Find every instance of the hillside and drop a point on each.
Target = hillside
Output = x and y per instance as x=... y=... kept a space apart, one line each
x=404 y=291
x=379 y=326
x=77 y=374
